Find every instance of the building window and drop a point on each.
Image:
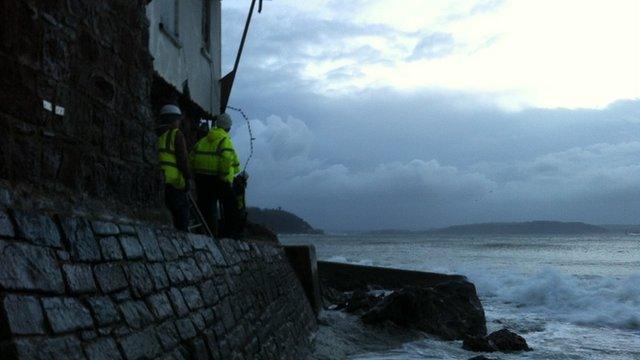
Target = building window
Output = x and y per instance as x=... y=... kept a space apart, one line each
x=206 y=25
x=169 y=20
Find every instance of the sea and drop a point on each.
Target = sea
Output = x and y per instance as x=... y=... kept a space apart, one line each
x=570 y=297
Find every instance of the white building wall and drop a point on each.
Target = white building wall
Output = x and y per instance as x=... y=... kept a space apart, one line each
x=181 y=57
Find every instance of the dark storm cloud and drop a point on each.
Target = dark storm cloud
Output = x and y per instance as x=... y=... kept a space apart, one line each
x=382 y=158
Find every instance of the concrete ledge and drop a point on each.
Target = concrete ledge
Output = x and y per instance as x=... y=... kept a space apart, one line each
x=346 y=277
x=303 y=260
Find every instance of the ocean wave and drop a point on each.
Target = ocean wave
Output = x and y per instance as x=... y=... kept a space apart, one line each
x=342 y=259
x=595 y=301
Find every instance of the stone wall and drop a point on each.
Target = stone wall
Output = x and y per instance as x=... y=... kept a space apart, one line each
x=90 y=58
x=71 y=288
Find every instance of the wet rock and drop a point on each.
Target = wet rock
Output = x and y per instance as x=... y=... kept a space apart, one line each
x=501 y=340
x=449 y=310
x=359 y=301
x=478 y=344
x=506 y=341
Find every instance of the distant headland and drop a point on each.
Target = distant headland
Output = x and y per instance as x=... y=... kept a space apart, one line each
x=509 y=228
x=281 y=221
x=527 y=227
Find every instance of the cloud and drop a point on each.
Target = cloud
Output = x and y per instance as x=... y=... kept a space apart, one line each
x=592 y=182
x=433 y=46
x=379 y=125
x=495 y=48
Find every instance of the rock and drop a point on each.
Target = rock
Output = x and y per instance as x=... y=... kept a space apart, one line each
x=103 y=349
x=136 y=314
x=158 y=275
x=359 y=301
x=6 y=228
x=168 y=334
x=501 y=340
x=150 y=243
x=103 y=228
x=110 y=247
x=449 y=310
x=28 y=267
x=81 y=239
x=141 y=345
x=260 y=232
x=160 y=306
x=506 y=341
x=66 y=314
x=22 y=315
x=478 y=344
x=192 y=297
x=79 y=278
x=104 y=310
x=178 y=302
x=59 y=348
x=168 y=249
x=141 y=283
x=132 y=248
x=37 y=228
x=186 y=328
x=209 y=292
x=110 y=277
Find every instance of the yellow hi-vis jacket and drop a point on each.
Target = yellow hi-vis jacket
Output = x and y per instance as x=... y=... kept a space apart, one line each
x=168 y=161
x=214 y=155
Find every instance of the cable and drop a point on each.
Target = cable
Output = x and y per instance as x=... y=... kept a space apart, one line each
x=251 y=138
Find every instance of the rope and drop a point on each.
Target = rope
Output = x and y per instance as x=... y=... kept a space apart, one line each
x=251 y=138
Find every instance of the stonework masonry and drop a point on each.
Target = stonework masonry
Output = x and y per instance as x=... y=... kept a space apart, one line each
x=78 y=289
x=88 y=269
x=89 y=61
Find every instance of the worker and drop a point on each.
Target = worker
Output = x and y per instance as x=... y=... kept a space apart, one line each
x=215 y=165
x=173 y=159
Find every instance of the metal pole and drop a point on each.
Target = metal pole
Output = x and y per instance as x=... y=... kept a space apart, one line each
x=244 y=36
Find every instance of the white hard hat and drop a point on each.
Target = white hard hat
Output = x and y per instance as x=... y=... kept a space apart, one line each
x=224 y=121
x=170 y=110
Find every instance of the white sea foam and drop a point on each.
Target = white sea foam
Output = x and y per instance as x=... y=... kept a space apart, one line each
x=595 y=301
x=342 y=259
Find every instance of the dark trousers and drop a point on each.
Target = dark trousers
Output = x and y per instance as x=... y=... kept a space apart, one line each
x=212 y=191
x=178 y=204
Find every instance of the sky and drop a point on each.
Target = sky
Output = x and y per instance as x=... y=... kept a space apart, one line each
x=413 y=114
